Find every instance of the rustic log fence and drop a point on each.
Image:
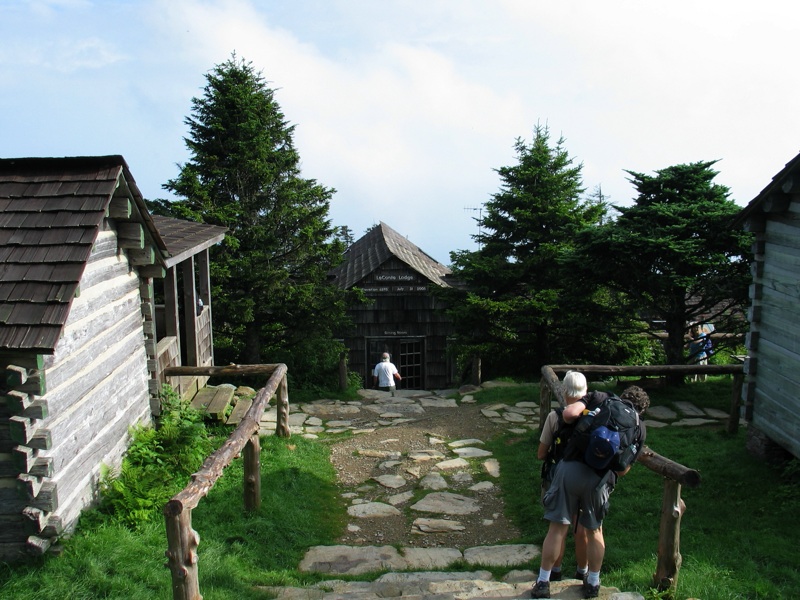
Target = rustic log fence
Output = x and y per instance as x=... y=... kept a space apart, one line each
x=182 y=540
x=675 y=475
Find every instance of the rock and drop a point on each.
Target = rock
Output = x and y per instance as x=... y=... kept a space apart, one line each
x=430 y=558
x=472 y=452
x=433 y=481
x=466 y=442
x=438 y=403
x=447 y=503
x=390 y=481
x=453 y=463
x=501 y=556
x=370 y=510
x=348 y=560
x=492 y=467
x=425 y=455
x=399 y=499
x=483 y=486
x=437 y=526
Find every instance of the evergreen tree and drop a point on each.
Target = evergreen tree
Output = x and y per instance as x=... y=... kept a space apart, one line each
x=512 y=310
x=673 y=256
x=272 y=301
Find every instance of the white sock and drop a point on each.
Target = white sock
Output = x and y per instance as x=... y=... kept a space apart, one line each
x=593 y=578
x=544 y=575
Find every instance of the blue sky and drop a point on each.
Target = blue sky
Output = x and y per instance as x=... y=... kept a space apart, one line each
x=407 y=107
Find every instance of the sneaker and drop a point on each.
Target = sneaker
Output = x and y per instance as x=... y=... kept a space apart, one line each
x=590 y=591
x=541 y=590
x=555 y=575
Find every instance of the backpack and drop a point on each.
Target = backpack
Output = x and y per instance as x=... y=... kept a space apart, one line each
x=608 y=437
x=557 y=450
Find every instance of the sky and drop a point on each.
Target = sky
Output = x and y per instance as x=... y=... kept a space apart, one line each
x=408 y=107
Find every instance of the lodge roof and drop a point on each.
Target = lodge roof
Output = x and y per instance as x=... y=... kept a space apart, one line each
x=377 y=246
x=51 y=211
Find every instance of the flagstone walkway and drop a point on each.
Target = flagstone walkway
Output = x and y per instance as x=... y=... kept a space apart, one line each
x=441 y=491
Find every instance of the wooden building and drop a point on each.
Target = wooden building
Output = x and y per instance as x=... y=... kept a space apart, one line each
x=402 y=316
x=771 y=392
x=81 y=357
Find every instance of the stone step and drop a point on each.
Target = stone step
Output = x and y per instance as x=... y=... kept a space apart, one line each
x=441 y=585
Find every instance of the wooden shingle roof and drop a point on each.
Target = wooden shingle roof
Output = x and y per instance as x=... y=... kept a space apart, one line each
x=51 y=211
x=775 y=196
x=186 y=238
x=379 y=245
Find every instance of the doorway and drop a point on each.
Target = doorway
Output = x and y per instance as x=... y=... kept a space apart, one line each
x=408 y=355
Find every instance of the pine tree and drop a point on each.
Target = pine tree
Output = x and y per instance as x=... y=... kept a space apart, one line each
x=272 y=301
x=515 y=281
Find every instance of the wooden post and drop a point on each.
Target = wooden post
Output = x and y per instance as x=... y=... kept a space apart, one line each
x=252 y=474
x=343 y=371
x=669 y=539
x=282 y=404
x=476 y=370
x=182 y=542
x=733 y=419
x=544 y=401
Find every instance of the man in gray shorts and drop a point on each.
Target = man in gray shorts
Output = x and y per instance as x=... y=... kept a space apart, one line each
x=579 y=489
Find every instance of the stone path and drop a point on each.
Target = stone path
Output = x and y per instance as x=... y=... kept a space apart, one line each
x=439 y=476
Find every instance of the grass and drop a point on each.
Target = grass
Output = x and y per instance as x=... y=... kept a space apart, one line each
x=737 y=535
x=238 y=552
x=736 y=539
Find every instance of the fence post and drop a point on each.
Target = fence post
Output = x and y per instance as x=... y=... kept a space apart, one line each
x=182 y=542
x=343 y=371
x=252 y=474
x=476 y=370
x=733 y=419
x=669 y=538
x=282 y=406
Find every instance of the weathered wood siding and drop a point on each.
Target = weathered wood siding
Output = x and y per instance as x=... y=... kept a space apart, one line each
x=773 y=378
x=401 y=308
x=96 y=387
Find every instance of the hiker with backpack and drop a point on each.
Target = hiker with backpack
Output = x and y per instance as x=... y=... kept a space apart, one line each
x=607 y=438
x=552 y=444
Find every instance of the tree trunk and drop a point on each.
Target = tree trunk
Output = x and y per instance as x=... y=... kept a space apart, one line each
x=252 y=345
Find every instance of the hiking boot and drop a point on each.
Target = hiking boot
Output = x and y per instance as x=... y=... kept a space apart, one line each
x=580 y=576
x=590 y=591
x=541 y=590
x=555 y=575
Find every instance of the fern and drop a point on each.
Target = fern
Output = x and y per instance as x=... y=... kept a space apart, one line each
x=157 y=464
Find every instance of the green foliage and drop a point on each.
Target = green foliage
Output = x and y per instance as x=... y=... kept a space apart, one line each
x=673 y=256
x=269 y=280
x=156 y=465
x=519 y=308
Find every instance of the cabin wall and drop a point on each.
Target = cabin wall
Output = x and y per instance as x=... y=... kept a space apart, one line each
x=403 y=314
x=96 y=385
x=772 y=385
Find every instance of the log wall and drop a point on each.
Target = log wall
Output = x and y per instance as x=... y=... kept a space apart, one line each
x=71 y=411
x=772 y=379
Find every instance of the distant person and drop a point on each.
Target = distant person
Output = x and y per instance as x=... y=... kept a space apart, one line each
x=385 y=374
x=699 y=349
x=579 y=489
x=552 y=443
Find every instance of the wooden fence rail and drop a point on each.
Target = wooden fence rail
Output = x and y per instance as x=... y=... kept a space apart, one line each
x=182 y=540
x=675 y=475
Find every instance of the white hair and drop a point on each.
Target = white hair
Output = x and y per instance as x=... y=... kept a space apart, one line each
x=574 y=385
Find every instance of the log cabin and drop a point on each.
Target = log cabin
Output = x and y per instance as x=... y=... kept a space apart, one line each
x=771 y=390
x=83 y=341
x=402 y=316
